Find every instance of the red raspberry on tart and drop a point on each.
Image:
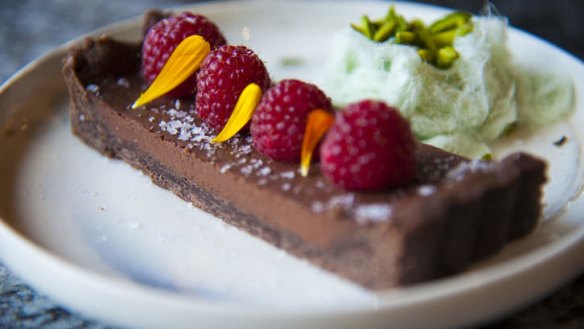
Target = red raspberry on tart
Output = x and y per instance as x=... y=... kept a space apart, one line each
x=369 y=147
x=223 y=75
x=280 y=119
x=166 y=35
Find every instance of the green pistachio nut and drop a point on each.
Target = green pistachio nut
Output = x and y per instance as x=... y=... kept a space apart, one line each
x=385 y=31
x=365 y=27
x=427 y=55
x=445 y=38
x=426 y=40
x=464 y=29
x=450 y=21
x=416 y=25
x=405 y=38
x=445 y=57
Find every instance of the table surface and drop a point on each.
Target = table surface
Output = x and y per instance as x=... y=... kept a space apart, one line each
x=29 y=28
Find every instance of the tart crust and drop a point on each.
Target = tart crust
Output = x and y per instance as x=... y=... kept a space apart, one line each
x=457 y=211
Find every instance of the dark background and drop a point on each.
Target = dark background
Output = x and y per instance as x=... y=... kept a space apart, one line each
x=29 y=28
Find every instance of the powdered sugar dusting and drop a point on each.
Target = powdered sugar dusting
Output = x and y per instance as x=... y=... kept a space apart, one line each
x=123 y=82
x=286 y=187
x=182 y=124
x=426 y=190
x=323 y=186
x=363 y=214
x=372 y=213
x=179 y=114
x=435 y=169
x=246 y=170
x=341 y=201
x=265 y=171
x=92 y=88
x=318 y=207
x=458 y=172
x=240 y=147
x=288 y=175
x=253 y=165
x=225 y=168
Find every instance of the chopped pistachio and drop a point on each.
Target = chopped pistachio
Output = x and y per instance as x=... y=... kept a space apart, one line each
x=359 y=29
x=426 y=40
x=402 y=24
x=427 y=55
x=416 y=25
x=446 y=57
x=391 y=14
x=445 y=38
x=366 y=27
x=405 y=37
x=385 y=31
x=434 y=42
x=464 y=29
x=377 y=23
x=450 y=21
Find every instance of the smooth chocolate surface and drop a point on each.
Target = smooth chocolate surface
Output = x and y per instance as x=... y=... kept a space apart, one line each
x=456 y=212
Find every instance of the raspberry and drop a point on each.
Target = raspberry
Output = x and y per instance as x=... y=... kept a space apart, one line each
x=370 y=147
x=279 y=121
x=164 y=37
x=223 y=75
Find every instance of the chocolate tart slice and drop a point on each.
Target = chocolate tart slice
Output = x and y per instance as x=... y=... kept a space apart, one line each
x=455 y=213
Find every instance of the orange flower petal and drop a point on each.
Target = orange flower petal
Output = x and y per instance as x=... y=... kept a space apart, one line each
x=182 y=63
x=318 y=123
x=242 y=113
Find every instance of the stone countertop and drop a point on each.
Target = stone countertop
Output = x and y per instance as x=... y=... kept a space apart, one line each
x=29 y=28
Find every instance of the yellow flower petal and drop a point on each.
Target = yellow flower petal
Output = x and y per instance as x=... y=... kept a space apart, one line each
x=242 y=113
x=182 y=63
x=317 y=124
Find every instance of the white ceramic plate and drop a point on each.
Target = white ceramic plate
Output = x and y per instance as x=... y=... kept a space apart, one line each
x=100 y=238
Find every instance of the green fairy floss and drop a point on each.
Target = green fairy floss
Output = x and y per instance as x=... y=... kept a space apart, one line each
x=463 y=108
